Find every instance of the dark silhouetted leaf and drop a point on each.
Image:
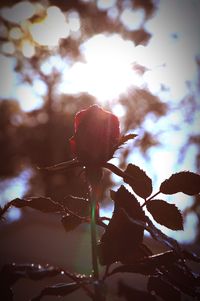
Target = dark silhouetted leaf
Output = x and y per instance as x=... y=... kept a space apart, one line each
x=39 y=203
x=132 y=294
x=163 y=288
x=125 y=138
x=79 y=206
x=191 y=256
x=60 y=289
x=125 y=200
x=10 y=273
x=182 y=277
x=156 y=233
x=4 y=209
x=185 y=181
x=162 y=237
x=138 y=180
x=148 y=265
x=70 y=222
x=165 y=214
x=122 y=239
x=6 y=293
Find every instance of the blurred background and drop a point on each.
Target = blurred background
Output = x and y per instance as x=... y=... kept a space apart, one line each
x=138 y=59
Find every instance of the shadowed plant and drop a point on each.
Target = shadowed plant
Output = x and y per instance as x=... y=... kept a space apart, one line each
x=121 y=248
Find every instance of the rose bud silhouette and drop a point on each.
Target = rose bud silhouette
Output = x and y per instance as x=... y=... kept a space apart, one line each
x=96 y=136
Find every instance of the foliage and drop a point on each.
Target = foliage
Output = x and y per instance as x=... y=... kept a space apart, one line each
x=121 y=248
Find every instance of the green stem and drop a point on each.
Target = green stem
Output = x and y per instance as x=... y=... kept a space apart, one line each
x=93 y=237
x=93 y=176
x=95 y=269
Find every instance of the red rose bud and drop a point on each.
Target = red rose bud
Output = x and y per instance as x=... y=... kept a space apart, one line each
x=96 y=136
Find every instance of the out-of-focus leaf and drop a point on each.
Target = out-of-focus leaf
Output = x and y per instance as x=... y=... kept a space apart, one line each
x=39 y=203
x=60 y=289
x=6 y=293
x=148 y=265
x=184 y=279
x=185 y=181
x=10 y=273
x=70 y=222
x=138 y=180
x=191 y=256
x=163 y=289
x=131 y=294
x=165 y=214
x=125 y=138
x=79 y=206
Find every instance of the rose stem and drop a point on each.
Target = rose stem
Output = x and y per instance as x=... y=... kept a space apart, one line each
x=93 y=236
x=93 y=202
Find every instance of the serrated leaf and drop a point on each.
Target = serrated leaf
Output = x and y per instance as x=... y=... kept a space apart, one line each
x=39 y=203
x=122 y=239
x=149 y=264
x=165 y=214
x=125 y=200
x=60 y=289
x=79 y=206
x=156 y=233
x=71 y=222
x=138 y=180
x=185 y=181
x=10 y=273
x=125 y=138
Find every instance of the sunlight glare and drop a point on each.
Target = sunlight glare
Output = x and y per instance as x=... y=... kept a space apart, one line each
x=107 y=71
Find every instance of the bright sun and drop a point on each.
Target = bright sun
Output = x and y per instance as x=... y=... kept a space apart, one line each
x=107 y=71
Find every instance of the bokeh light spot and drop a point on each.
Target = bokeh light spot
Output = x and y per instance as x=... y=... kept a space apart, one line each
x=132 y=19
x=18 y=12
x=54 y=23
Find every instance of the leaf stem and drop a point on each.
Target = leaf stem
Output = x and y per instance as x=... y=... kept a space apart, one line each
x=149 y=199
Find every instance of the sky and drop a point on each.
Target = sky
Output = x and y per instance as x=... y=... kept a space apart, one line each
x=170 y=59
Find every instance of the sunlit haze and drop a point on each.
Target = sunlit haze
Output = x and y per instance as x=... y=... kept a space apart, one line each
x=106 y=69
